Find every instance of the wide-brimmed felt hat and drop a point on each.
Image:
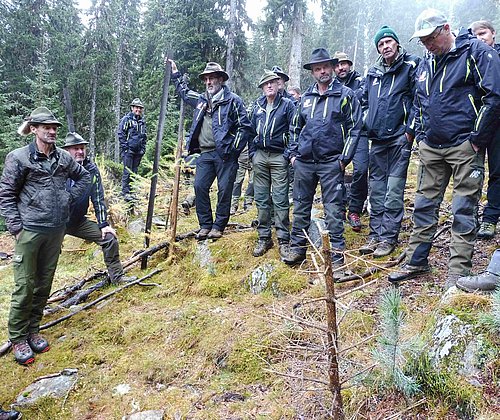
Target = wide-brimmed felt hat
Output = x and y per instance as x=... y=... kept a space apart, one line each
x=267 y=76
x=137 y=102
x=427 y=22
x=319 y=55
x=74 y=139
x=211 y=68
x=342 y=56
x=280 y=73
x=40 y=115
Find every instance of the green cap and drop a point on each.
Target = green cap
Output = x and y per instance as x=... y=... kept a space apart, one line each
x=267 y=77
x=74 y=139
x=383 y=32
x=40 y=115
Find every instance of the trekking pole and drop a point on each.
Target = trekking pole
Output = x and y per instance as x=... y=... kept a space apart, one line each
x=174 y=204
x=154 y=178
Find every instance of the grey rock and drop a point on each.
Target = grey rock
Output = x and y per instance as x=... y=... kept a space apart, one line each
x=146 y=415
x=56 y=386
x=204 y=256
x=136 y=227
x=259 y=279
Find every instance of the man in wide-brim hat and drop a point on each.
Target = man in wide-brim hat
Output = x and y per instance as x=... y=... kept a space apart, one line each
x=220 y=131
x=36 y=206
x=324 y=136
x=79 y=225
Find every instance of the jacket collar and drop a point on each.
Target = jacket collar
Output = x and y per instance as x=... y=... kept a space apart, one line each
x=262 y=101
x=36 y=156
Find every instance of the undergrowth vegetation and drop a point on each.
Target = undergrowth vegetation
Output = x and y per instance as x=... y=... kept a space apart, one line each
x=199 y=343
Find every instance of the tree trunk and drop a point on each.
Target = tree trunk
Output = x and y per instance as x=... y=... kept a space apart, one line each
x=68 y=108
x=93 y=104
x=118 y=99
x=296 y=45
x=230 y=42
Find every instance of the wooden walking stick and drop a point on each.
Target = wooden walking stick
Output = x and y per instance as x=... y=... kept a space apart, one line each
x=174 y=204
x=154 y=178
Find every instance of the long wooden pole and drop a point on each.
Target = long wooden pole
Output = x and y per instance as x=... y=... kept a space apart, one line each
x=154 y=178
x=332 y=335
x=175 y=193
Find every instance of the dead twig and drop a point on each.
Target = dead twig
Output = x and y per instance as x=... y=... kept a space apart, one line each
x=96 y=301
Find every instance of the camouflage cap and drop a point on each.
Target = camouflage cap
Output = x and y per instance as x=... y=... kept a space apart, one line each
x=267 y=77
x=427 y=22
x=137 y=102
x=342 y=56
x=211 y=68
x=74 y=139
x=40 y=115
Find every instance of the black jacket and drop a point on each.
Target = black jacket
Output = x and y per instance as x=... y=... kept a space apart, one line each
x=355 y=82
x=326 y=127
x=458 y=96
x=230 y=124
x=271 y=134
x=32 y=196
x=388 y=98
x=132 y=134
x=95 y=192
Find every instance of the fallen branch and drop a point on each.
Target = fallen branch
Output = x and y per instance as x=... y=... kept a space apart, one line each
x=96 y=301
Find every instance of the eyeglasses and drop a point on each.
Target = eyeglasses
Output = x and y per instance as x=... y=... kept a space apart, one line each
x=428 y=39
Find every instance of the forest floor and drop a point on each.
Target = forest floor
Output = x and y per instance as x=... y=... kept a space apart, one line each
x=200 y=345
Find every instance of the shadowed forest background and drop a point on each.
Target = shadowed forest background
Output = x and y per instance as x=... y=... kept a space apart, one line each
x=87 y=66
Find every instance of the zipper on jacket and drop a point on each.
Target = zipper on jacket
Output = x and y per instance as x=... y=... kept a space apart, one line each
x=442 y=78
x=471 y=99
x=325 y=109
x=392 y=83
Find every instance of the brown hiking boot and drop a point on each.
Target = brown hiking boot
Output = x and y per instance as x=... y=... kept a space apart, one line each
x=214 y=234
x=23 y=353
x=202 y=234
x=37 y=343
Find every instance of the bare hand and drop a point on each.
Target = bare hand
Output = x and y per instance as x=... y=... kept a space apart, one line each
x=172 y=63
x=476 y=148
x=409 y=137
x=106 y=230
x=292 y=160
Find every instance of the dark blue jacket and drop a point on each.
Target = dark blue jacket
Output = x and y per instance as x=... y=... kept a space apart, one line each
x=95 y=192
x=355 y=82
x=132 y=134
x=388 y=98
x=271 y=134
x=458 y=96
x=230 y=124
x=325 y=127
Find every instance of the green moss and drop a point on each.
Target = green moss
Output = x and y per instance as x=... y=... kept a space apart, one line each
x=445 y=387
x=247 y=359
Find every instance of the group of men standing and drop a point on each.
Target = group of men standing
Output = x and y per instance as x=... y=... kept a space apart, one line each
x=449 y=101
x=371 y=121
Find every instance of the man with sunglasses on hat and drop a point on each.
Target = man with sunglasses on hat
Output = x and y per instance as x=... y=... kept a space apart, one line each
x=220 y=131
x=323 y=138
x=132 y=137
x=359 y=185
x=458 y=107
x=36 y=207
